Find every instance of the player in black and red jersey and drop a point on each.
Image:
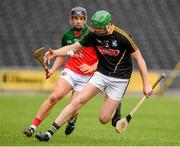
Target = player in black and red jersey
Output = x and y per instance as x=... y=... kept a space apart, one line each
x=114 y=49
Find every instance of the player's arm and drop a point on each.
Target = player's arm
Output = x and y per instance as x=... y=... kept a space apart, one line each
x=68 y=50
x=136 y=54
x=57 y=63
x=147 y=88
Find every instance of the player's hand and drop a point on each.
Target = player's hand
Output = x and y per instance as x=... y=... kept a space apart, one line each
x=48 y=56
x=48 y=73
x=148 y=91
x=86 y=68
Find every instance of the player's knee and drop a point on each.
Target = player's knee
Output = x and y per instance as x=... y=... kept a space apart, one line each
x=54 y=98
x=103 y=119
x=77 y=103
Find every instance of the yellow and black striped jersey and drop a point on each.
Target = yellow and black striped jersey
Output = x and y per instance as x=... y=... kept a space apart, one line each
x=113 y=51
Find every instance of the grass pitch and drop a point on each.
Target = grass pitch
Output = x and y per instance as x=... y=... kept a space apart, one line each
x=157 y=123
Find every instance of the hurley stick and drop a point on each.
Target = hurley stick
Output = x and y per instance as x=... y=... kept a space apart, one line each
x=122 y=124
x=39 y=56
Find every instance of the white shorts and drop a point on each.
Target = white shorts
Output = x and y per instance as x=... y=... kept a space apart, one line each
x=76 y=80
x=113 y=87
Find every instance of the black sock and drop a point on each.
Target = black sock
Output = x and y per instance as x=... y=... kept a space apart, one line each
x=54 y=127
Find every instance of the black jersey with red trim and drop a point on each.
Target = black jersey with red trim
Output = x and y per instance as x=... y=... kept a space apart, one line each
x=113 y=51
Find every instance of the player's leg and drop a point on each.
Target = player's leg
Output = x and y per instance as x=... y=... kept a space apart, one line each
x=88 y=92
x=115 y=91
x=80 y=81
x=117 y=115
x=62 y=88
x=107 y=110
x=71 y=122
x=58 y=93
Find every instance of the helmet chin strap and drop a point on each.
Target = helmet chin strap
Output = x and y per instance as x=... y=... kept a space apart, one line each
x=107 y=27
x=110 y=28
x=108 y=31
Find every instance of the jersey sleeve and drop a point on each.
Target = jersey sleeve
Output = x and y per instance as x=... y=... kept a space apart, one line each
x=87 y=40
x=131 y=45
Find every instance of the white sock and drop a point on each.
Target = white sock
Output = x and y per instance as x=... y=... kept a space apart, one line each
x=34 y=127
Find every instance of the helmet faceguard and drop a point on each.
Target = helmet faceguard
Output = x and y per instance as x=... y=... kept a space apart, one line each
x=78 y=11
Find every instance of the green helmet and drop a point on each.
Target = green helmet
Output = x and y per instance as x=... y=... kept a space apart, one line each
x=101 y=19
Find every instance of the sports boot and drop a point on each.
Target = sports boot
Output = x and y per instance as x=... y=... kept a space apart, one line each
x=70 y=126
x=28 y=132
x=42 y=136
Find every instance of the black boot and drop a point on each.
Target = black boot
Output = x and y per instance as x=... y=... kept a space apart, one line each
x=42 y=136
x=70 y=126
x=28 y=132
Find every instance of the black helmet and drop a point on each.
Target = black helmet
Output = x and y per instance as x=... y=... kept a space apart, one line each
x=78 y=11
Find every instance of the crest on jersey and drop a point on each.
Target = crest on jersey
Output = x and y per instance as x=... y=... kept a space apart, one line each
x=114 y=43
x=69 y=42
x=99 y=41
x=76 y=40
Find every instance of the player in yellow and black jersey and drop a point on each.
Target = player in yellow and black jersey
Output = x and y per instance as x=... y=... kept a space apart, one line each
x=114 y=49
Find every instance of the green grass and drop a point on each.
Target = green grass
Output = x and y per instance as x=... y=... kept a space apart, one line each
x=156 y=123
